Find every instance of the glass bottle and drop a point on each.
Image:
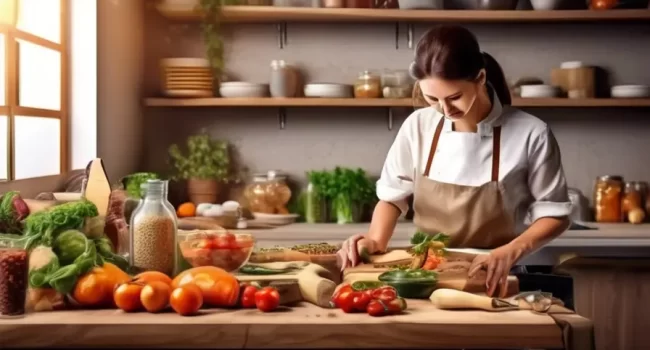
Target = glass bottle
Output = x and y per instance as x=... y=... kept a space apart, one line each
x=278 y=192
x=153 y=231
x=315 y=205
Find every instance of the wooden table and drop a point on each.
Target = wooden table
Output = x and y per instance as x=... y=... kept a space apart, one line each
x=304 y=326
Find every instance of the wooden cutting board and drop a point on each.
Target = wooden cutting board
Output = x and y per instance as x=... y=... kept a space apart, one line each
x=314 y=282
x=452 y=274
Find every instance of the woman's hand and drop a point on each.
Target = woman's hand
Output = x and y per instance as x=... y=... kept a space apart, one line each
x=351 y=250
x=498 y=264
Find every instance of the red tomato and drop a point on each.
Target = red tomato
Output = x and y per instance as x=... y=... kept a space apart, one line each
x=226 y=241
x=248 y=296
x=379 y=308
x=386 y=293
x=360 y=301
x=346 y=301
x=267 y=299
x=341 y=293
x=207 y=243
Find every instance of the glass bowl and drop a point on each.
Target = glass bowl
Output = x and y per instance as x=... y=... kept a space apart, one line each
x=219 y=248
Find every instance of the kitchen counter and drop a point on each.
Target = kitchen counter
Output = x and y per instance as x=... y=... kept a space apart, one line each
x=305 y=326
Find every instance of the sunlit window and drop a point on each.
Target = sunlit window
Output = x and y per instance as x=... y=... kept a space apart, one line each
x=33 y=108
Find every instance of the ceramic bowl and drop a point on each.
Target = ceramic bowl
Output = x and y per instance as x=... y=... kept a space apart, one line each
x=630 y=91
x=539 y=91
x=546 y=5
x=238 y=89
x=411 y=284
x=328 y=90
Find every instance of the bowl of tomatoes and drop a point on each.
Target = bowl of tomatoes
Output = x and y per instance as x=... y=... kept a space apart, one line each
x=219 y=248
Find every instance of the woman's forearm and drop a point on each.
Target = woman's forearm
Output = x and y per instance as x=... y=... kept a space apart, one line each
x=382 y=226
x=540 y=233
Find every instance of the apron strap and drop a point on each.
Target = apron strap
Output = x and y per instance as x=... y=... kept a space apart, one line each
x=434 y=145
x=496 y=152
x=496 y=149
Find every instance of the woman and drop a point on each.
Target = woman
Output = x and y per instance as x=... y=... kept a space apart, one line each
x=476 y=167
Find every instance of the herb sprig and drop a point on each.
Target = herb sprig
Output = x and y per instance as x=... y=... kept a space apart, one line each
x=421 y=241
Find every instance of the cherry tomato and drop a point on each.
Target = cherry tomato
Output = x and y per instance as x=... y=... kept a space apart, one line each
x=386 y=293
x=346 y=301
x=267 y=299
x=127 y=296
x=378 y=308
x=340 y=294
x=226 y=241
x=248 y=296
x=360 y=301
x=187 y=299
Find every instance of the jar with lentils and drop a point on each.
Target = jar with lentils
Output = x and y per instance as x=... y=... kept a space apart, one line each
x=13 y=279
x=153 y=231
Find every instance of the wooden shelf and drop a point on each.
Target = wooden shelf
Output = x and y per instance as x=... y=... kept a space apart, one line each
x=266 y=14
x=378 y=102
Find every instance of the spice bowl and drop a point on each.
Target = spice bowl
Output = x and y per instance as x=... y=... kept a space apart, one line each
x=219 y=248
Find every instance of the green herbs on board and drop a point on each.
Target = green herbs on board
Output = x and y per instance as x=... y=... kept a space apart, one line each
x=343 y=192
x=65 y=242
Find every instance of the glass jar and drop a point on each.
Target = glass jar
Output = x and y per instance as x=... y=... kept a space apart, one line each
x=367 y=85
x=255 y=194
x=153 y=231
x=632 y=198
x=278 y=192
x=14 y=266
x=315 y=205
x=608 y=195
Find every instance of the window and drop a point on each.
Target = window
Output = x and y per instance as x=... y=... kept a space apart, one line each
x=34 y=110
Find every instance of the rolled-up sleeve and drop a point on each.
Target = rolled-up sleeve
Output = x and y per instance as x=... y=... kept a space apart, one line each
x=546 y=179
x=397 y=175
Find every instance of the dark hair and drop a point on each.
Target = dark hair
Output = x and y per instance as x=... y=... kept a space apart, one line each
x=452 y=52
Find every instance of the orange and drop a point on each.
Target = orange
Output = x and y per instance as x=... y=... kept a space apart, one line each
x=186 y=210
x=127 y=296
x=151 y=276
x=187 y=299
x=155 y=296
x=94 y=288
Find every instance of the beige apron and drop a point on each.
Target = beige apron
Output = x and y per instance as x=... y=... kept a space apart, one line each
x=473 y=217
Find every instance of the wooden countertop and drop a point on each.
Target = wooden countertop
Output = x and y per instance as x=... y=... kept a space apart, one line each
x=305 y=326
x=604 y=234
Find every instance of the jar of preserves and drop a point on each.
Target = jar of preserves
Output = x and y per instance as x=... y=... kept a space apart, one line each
x=255 y=194
x=153 y=231
x=632 y=198
x=278 y=192
x=368 y=85
x=14 y=262
x=608 y=195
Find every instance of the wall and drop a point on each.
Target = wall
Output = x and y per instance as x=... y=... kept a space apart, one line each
x=119 y=76
x=593 y=141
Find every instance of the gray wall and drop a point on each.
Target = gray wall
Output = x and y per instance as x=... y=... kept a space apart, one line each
x=593 y=140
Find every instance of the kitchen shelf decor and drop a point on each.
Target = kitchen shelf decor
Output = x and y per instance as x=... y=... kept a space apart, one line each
x=281 y=15
x=381 y=102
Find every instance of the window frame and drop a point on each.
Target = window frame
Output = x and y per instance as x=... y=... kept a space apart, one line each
x=12 y=108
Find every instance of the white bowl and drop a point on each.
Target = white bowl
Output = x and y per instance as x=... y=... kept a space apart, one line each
x=236 y=89
x=546 y=5
x=275 y=219
x=328 y=90
x=630 y=91
x=538 y=91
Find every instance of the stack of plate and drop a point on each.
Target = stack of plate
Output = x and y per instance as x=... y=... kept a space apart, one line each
x=186 y=77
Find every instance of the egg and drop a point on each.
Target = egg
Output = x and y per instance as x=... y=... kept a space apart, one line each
x=201 y=208
x=636 y=216
x=230 y=206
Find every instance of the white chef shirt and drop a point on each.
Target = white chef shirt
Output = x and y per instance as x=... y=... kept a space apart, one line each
x=530 y=164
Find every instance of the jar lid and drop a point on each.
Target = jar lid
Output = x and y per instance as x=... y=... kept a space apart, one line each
x=270 y=175
x=610 y=178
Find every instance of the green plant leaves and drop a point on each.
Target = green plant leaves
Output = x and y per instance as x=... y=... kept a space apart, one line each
x=205 y=159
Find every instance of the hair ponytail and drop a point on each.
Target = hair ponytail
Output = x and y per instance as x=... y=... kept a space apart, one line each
x=496 y=78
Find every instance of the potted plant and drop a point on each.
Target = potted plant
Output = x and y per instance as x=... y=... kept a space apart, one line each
x=206 y=167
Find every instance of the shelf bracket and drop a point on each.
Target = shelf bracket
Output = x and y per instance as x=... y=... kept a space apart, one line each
x=409 y=35
x=282 y=117
x=390 y=118
x=282 y=34
x=396 y=35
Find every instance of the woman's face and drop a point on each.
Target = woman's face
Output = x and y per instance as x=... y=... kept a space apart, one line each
x=453 y=98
